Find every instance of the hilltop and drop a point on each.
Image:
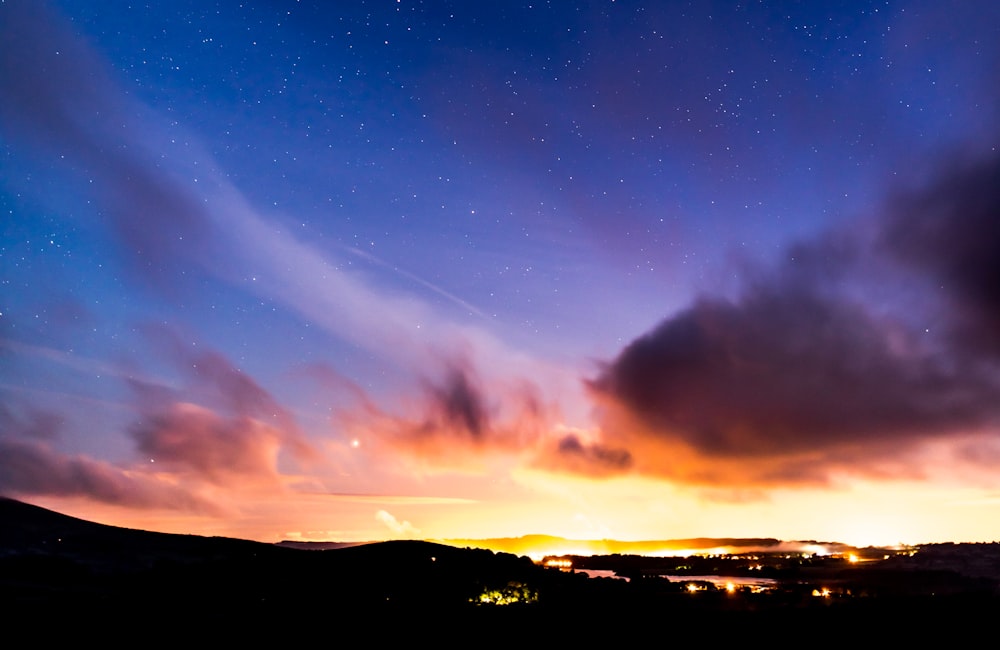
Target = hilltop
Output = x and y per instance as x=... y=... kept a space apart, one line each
x=53 y=565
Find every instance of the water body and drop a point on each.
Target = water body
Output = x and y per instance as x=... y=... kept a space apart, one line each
x=722 y=581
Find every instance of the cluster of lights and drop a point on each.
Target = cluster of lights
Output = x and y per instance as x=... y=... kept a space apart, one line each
x=729 y=587
x=514 y=593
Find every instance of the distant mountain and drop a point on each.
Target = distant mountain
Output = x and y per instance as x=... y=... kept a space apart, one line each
x=319 y=546
x=538 y=546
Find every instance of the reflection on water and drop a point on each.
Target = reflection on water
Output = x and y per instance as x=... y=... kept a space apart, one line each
x=601 y=573
x=720 y=581
x=728 y=583
x=696 y=583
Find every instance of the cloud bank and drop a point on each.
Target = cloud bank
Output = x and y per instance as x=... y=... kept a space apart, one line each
x=31 y=464
x=186 y=455
x=801 y=376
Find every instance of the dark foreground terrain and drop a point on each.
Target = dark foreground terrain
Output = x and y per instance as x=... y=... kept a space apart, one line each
x=65 y=578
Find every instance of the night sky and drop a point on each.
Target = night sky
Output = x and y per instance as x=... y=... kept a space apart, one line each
x=606 y=269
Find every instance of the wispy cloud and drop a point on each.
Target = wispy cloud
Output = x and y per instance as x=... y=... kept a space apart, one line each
x=403 y=528
x=177 y=216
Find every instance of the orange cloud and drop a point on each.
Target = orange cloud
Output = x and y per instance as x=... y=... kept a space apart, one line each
x=455 y=421
x=459 y=424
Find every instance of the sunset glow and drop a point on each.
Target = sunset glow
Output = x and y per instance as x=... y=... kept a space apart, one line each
x=610 y=272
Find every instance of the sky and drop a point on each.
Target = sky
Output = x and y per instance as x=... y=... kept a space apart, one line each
x=604 y=270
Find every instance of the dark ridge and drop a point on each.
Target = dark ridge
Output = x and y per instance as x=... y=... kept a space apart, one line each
x=318 y=546
x=62 y=576
x=55 y=560
x=32 y=531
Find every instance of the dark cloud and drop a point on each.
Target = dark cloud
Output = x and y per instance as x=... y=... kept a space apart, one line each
x=802 y=374
x=451 y=417
x=785 y=370
x=570 y=454
x=950 y=232
x=456 y=422
x=457 y=404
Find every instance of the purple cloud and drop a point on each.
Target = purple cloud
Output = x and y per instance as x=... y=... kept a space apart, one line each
x=949 y=233
x=31 y=465
x=802 y=375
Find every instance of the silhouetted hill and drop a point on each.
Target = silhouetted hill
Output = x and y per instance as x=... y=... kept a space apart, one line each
x=62 y=575
x=49 y=558
x=27 y=530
